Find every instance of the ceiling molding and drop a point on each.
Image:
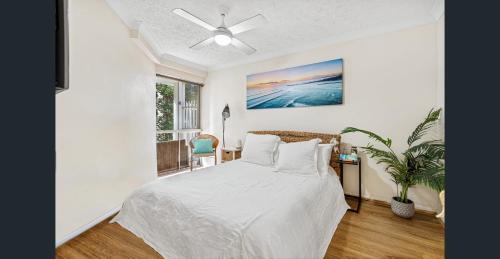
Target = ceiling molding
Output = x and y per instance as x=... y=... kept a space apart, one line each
x=186 y=66
x=323 y=43
x=168 y=59
x=161 y=60
x=164 y=59
x=134 y=34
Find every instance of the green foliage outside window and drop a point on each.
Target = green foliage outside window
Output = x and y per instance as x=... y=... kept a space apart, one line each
x=164 y=110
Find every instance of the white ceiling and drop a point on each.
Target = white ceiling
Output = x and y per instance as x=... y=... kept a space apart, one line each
x=292 y=25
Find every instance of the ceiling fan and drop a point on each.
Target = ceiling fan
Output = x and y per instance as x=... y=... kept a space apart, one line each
x=224 y=35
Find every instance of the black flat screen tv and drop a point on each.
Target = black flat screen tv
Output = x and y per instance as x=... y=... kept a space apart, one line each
x=62 y=53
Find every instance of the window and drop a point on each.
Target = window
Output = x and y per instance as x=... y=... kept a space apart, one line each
x=190 y=106
x=165 y=108
x=177 y=122
x=177 y=107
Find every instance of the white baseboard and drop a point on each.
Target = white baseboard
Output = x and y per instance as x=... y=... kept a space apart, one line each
x=87 y=226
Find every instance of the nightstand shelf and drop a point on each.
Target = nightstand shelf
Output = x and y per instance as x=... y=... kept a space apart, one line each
x=357 y=163
x=230 y=154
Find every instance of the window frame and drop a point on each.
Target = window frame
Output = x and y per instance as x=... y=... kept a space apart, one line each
x=178 y=107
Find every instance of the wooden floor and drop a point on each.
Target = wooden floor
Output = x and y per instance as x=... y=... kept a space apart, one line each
x=373 y=233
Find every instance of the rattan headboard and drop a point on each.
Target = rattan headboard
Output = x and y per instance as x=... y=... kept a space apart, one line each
x=296 y=136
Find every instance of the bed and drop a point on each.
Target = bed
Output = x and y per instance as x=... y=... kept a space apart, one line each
x=238 y=210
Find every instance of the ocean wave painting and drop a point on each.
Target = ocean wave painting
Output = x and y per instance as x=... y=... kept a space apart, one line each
x=309 y=85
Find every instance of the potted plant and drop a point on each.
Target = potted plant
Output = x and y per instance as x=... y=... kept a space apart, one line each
x=421 y=163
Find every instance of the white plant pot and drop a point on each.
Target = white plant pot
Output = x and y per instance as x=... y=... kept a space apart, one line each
x=404 y=210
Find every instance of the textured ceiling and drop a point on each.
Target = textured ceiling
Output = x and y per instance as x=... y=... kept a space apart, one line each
x=292 y=24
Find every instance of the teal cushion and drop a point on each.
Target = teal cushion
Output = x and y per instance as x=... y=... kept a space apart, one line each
x=202 y=146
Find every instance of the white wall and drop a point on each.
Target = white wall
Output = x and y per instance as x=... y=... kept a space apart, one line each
x=105 y=124
x=440 y=61
x=389 y=86
x=440 y=73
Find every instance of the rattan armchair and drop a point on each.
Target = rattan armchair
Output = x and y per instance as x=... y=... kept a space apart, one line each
x=215 y=143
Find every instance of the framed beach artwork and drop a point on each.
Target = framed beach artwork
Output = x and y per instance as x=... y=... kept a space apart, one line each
x=303 y=86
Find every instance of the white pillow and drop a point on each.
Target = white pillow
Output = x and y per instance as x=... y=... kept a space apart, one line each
x=259 y=149
x=298 y=157
x=276 y=152
x=324 y=156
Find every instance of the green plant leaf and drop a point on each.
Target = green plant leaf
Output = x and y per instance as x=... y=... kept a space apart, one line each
x=394 y=166
x=387 y=142
x=432 y=175
x=432 y=149
x=422 y=128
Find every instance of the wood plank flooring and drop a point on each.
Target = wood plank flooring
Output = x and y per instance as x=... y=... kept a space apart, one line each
x=373 y=233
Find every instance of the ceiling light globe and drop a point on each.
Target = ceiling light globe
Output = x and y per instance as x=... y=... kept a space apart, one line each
x=222 y=40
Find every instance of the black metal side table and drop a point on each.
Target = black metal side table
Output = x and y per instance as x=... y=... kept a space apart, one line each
x=358 y=163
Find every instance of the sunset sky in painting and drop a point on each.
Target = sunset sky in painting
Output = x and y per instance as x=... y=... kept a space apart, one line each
x=311 y=71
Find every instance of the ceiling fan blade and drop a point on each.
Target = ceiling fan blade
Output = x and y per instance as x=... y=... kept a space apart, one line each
x=248 y=24
x=186 y=15
x=243 y=46
x=202 y=43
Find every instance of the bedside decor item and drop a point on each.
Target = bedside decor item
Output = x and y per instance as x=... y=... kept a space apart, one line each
x=202 y=139
x=349 y=153
x=303 y=86
x=420 y=163
x=239 y=144
x=225 y=114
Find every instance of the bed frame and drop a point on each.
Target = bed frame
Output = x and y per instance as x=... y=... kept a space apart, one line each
x=296 y=136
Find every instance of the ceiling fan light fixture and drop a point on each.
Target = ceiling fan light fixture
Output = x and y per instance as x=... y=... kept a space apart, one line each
x=223 y=35
x=222 y=39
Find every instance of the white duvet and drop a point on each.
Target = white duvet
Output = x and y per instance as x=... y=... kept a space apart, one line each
x=236 y=210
